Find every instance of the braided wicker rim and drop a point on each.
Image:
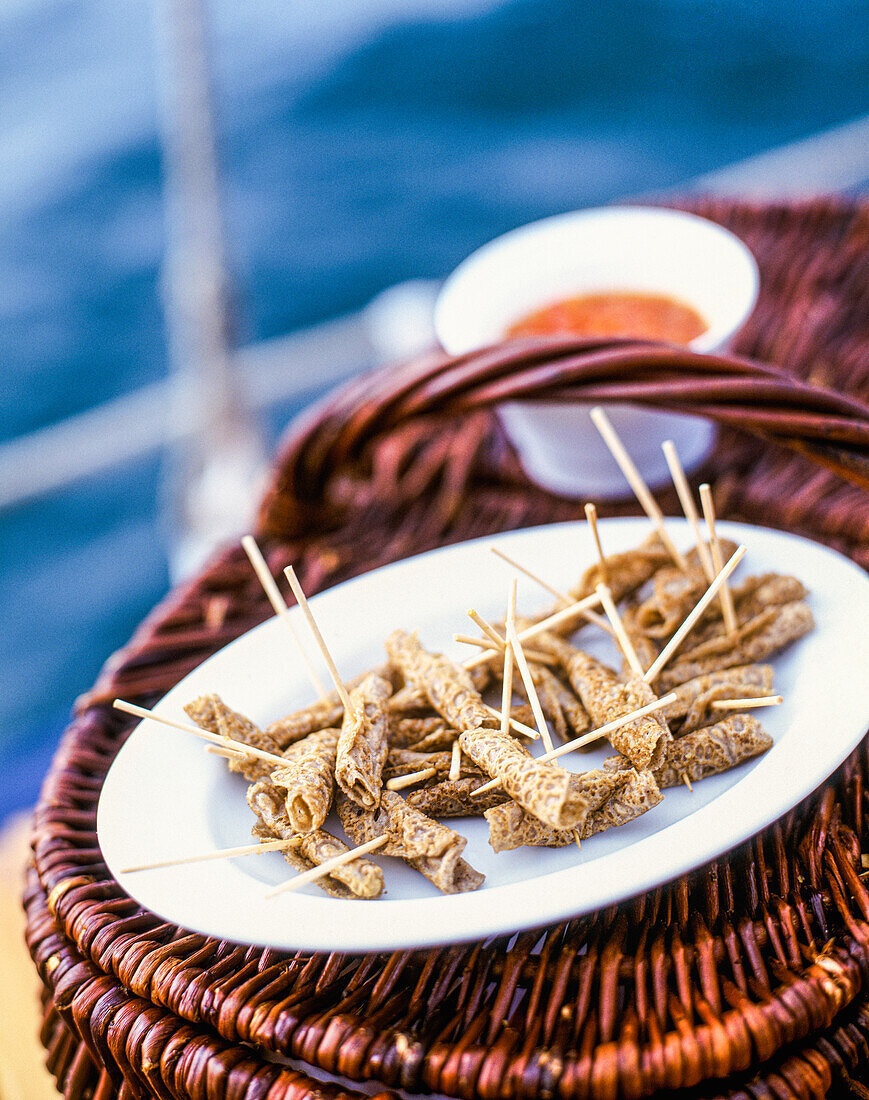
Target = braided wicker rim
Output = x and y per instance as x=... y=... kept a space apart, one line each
x=710 y=976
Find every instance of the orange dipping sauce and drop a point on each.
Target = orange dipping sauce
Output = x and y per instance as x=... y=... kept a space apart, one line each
x=647 y=316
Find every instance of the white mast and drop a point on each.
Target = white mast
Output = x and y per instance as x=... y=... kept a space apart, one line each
x=210 y=475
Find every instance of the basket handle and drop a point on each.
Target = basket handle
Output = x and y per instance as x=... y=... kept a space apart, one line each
x=829 y=427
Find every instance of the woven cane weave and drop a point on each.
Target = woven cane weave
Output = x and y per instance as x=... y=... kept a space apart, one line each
x=747 y=978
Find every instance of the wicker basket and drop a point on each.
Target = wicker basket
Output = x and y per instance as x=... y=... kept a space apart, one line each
x=747 y=978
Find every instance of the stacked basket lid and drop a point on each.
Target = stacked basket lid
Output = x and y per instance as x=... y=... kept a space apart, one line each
x=748 y=978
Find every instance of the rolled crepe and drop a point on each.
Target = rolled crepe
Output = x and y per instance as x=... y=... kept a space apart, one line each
x=754 y=596
x=713 y=749
x=438 y=740
x=405 y=761
x=324 y=714
x=768 y=589
x=360 y=878
x=548 y=695
x=675 y=592
x=544 y=790
x=646 y=648
x=565 y=713
x=767 y=633
x=560 y=705
x=624 y=573
x=455 y=798
x=694 y=699
x=511 y=827
x=210 y=713
x=523 y=713
x=575 y=714
x=309 y=779
x=363 y=744
x=429 y=847
x=449 y=687
x=407 y=733
x=409 y=701
x=606 y=698
x=639 y=795
x=751 y=597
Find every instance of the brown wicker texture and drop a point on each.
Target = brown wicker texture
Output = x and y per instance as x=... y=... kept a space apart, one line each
x=746 y=978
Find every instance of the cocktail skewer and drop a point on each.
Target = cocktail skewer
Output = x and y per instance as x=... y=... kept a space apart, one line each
x=551 y=622
x=627 y=646
x=536 y=655
x=219 y=853
x=496 y=638
x=528 y=681
x=727 y=607
x=456 y=758
x=634 y=478
x=509 y=659
x=215 y=739
x=302 y=601
x=748 y=704
x=487 y=628
x=399 y=782
x=562 y=597
x=329 y=866
x=708 y=596
x=686 y=499
x=591 y=517
x=515 y=724
x=266 y=579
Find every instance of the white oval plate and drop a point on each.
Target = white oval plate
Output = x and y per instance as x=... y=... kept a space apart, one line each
x=164 y=796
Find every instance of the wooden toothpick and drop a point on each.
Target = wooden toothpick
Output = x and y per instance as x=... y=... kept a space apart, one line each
x=557 y=619
x=399 y=782
x=220 y=853
x=528 y=681
x=469 y=639
x=593 y=735
x=708 y=596
x=686 y=499
x=260 y=567
x=487 y=628
x=455 y=771
x=302 y=601
x=215 y=739
x=627 y=646
x=591 y=516
x=727 y=608
x=562 y=597
x=227 y=754
x=329 y=866
x=747 y=704
x=509 y=657
x=515 y=724
x=536 y=655
x=497 y=639
x=641 y=489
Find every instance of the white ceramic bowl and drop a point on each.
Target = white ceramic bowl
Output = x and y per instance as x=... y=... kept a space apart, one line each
x=619 y=248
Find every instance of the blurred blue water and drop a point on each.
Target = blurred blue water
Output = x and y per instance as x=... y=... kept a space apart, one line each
x=362 y=144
